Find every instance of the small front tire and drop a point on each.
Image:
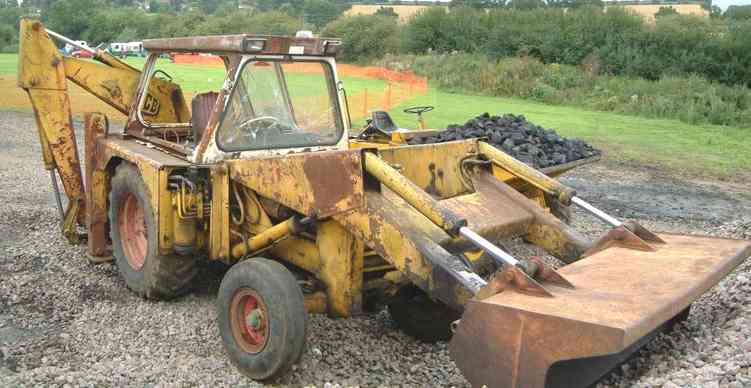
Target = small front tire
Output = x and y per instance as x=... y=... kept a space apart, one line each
x=262 y=318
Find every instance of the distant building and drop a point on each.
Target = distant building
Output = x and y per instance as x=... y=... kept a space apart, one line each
x=405 y=11
x=646 y=9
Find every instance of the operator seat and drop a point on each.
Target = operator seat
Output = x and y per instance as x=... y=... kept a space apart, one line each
x=382 y=121
x=201 y=107
x=379 y=124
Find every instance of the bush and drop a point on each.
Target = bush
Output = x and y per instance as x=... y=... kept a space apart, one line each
x=621 y=42
x=365 y=37
x=691 y=99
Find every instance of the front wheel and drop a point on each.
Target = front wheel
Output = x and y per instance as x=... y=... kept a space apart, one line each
x=262 y=318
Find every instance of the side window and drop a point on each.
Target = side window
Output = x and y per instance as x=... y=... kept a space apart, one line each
x=181 y=96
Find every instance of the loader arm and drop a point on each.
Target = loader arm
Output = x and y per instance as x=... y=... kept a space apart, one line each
x=43 y=73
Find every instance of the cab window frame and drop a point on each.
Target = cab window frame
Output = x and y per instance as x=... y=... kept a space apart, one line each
x=331 y=88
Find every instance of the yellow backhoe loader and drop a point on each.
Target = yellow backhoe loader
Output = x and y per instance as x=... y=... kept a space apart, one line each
x=261 y=174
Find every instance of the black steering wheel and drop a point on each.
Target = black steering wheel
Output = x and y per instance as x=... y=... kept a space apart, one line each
x=419 y=109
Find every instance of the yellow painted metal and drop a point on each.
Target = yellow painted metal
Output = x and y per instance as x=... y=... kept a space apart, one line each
x=162 y=200
x=316 y=303
x=410 y=192
x=39 y=62
x=529 y=174
x=95 y=128
x=219 y=235
x=320 y=184
x=185 y=232
x=265 y=238
x=116 y=87
x=435 y=168
x=396 y=243
x=300 y=252
x=154 y=167
x=341 y=267
x=52 y=110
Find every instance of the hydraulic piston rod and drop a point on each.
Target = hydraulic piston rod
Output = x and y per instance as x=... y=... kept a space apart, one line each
x=497 y=253
x=543 y=182
x=98 y=54
x=70 y=42
x=56 y=191
x=595 y=211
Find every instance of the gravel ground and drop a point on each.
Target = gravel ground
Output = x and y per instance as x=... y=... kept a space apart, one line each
x=64 y=322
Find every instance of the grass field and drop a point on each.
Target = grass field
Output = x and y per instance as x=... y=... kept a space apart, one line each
x=711 y=151
x=201 y=78
x=706 y=150
x=8 y=64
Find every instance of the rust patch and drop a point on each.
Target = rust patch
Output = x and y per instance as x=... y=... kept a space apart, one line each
x=333 y=179
x=621 y=296
x=320 y=184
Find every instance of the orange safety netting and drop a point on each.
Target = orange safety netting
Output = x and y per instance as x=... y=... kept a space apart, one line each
x=399 y=87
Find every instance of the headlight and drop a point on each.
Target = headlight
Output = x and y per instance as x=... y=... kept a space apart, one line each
x=254 y=45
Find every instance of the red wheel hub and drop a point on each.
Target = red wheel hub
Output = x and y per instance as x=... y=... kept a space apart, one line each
x=250 y=320
x=132 y=228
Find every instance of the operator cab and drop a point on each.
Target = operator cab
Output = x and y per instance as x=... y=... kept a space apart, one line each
x=278 y=94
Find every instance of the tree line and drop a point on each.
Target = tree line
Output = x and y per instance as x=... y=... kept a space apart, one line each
x=572 y=32
x=614 y=42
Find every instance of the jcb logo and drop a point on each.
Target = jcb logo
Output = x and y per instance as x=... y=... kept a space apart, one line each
x=151 y=105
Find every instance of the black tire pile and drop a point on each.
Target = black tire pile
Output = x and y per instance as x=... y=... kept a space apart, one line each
x=530 y=143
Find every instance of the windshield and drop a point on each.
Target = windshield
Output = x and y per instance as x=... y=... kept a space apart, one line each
x=281 y=105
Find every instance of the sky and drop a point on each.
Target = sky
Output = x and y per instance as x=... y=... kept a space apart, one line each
x=724 y=3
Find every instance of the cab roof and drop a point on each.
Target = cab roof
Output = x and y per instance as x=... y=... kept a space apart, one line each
x=246 y=44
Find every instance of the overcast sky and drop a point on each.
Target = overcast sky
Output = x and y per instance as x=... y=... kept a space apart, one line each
x=724 y=3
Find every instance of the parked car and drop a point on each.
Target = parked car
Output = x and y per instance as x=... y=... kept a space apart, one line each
x=82 y=54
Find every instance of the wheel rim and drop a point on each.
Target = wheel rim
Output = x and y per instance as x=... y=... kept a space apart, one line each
x=132 y=227
x=250 y=320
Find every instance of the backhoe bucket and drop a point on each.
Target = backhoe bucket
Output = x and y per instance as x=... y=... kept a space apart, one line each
x=622 y=298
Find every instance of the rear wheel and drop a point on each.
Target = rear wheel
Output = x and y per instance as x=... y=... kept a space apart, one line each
x=135 y=241
x=420 y=317
x=262 y=318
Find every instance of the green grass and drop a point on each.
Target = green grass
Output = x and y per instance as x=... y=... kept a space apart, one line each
x=200 y=78
x=192 y=78
x=696 y=150
x=8 y=64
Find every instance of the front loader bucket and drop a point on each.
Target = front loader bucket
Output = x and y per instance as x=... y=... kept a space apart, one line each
x=622 y=297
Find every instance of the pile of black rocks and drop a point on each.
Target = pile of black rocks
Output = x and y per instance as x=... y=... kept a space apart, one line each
x=530 y=143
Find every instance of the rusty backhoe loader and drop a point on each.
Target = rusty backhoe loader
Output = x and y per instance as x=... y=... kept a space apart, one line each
x=261 y=174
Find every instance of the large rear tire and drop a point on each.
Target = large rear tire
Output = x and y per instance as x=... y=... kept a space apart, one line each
x=420 y=317
x=135 y=241
x=262 y=318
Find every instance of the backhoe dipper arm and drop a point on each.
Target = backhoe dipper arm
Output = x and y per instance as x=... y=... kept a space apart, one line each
x=43 y=72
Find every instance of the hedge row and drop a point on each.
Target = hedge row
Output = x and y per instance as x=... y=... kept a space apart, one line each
x=613 y=41
x=691 y=99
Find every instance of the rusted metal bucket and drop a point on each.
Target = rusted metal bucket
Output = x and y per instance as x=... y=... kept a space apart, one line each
x=622 y=297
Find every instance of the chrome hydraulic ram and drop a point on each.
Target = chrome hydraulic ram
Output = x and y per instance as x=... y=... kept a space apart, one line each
x=452 y=224
x=543 y=182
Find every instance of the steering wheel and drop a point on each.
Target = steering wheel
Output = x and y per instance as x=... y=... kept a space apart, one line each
x=419 y=109
x=254 y=132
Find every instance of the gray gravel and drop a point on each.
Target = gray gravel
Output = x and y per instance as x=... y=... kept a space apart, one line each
x=64 y=322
